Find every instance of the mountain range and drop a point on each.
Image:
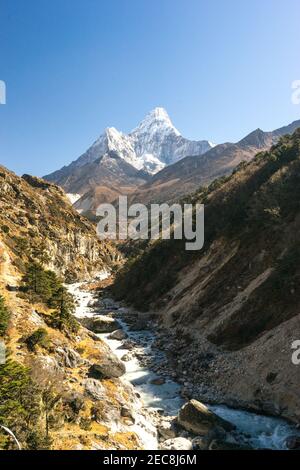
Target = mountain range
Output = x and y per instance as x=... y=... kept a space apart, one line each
x=186 y=175
x=118 y=163
x=154 y=163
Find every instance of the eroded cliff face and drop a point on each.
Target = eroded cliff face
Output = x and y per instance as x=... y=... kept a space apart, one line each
x=232 y=310
x=36 y=219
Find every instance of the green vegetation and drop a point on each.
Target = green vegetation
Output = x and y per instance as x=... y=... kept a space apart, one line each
x=38 y=338
x=45 y=286
x=5 y=229
x=63 y=317
x=4 y=316
x=19 y=406
x=28 y=402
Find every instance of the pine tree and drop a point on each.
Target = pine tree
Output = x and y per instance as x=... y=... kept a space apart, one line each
x=63 y=302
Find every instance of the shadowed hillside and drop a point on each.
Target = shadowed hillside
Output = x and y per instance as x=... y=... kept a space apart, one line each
x=242 y=289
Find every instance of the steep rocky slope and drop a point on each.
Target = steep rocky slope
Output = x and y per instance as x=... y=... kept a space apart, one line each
x=36 y=218
x=103 y=181
x=232 y=310
x=188 y=174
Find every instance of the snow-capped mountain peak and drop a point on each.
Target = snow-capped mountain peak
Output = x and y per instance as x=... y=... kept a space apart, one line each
x=157 y=120
x=151 y=146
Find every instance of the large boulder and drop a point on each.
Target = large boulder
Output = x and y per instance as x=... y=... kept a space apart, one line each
x=118 y=335
x=101 y=324
x=108 y=367
x=198 y=419
x=178 y=443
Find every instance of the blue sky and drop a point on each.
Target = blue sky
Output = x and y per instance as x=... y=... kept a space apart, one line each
x=73 y=67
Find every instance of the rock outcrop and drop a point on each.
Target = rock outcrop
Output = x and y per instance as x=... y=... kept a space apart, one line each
x=198 y=419
x=108 y=367
x=37 y=219
x=101 y=324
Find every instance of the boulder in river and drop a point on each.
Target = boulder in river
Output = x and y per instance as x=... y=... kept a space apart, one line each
x=128 y=344
x=118 y=335
x=101 y=324
x=178 y=443
x=127 y=357
x=108 y=367
x=195 y=417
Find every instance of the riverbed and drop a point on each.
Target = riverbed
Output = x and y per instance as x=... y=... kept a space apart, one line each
x=260 y=432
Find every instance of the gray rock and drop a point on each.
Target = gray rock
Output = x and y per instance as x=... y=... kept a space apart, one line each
x=128 y=344
x=203 y=442
x=109 y=367
x=101 y=324
x=127 y=413
x=94 y=336
x=198 y=419
x=75 y=400
x=127 y=357
x=178 y=443
x=68 y=357
x=166 y=429
x=94 y=389
x=118 y=335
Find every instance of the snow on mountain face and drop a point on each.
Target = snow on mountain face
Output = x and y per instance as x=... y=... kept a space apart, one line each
x=156 y=136
x=151 y=146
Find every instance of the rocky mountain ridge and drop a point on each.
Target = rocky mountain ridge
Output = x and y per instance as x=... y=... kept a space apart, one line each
x=185 y=176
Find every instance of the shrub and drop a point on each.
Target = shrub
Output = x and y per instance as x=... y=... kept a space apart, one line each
x=46 y=287
x=38 y=338
x=5 y=229
x=4 y=316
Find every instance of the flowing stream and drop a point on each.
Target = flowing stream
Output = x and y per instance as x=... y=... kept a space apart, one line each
x=259 y=431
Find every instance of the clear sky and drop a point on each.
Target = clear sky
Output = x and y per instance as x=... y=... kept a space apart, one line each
x=73 y=67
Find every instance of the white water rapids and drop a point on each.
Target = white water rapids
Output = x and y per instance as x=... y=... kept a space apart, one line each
x=260 y=431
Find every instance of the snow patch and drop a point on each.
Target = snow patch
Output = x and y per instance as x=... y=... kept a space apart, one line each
x=73 y=197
